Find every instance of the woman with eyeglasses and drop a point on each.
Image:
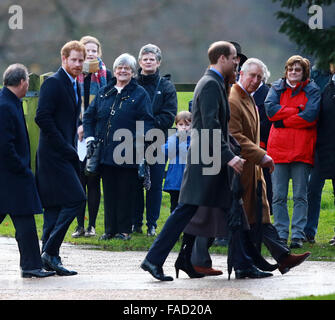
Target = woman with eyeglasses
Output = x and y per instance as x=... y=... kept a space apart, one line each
x=292 y=105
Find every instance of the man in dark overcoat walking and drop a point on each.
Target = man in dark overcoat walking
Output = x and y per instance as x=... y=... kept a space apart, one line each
x=57 y=161
x=203 y=183
x=18 y=192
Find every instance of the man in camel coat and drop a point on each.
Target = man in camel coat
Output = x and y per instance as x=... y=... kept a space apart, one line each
x=244 y=125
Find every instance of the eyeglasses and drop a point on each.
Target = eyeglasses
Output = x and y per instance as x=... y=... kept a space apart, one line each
x=126 y=68
x=290 y=69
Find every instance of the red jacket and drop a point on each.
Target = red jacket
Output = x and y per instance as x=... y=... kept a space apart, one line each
x=294 y=113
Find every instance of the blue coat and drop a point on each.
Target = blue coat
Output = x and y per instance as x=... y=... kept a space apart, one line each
x=57 y=162
x=176 y=151
x=131 y=105
x=18 y=192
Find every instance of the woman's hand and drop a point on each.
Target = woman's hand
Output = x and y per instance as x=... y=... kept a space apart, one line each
x=80 y=132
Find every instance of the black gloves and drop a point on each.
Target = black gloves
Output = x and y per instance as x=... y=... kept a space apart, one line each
x=279 y=124
x=90 y=148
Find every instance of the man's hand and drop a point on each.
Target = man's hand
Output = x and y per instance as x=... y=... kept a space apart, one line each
x=237 y=164
x=267 y=162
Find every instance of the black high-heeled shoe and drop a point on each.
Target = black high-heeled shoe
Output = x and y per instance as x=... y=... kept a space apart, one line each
x=185 y=265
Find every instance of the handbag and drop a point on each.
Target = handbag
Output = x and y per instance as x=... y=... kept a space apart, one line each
x=143 y=167
x=93 y=160
x=144 y=174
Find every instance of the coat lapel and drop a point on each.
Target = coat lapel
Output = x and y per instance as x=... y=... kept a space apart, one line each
x=223 y=89
x=249 y=102
x=68 y=85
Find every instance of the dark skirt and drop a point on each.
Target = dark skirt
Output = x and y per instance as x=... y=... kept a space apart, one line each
x=208 y=222
x=119 y=186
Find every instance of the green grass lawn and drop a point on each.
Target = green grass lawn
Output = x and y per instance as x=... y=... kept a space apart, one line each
x=312 y=297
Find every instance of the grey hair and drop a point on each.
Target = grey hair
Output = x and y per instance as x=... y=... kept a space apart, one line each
x=125 y=59
x=14 y=74
x=251 y=61
x=150 y=48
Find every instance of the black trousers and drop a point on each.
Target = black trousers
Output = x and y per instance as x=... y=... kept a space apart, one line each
x=268 y=181
x=120 y=185
x=27 y=240
x=272 y=241
x=153 y=198
x=172 y=229
x=174 y=196
x=57 y=221
x=200 y=255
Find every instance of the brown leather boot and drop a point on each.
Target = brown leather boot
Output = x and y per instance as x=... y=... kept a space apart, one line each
x=291 y=261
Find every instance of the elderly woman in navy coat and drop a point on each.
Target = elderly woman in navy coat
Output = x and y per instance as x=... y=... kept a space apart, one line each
x=18 y=192
x=119 y=105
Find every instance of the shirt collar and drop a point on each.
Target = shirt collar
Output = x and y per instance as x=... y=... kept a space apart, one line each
x=240 y=84
x=70 y=77
x=289 y=84
x=217 y=72
x=333 y=78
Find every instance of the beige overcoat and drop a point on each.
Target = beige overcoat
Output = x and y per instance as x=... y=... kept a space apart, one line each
x=244 y=125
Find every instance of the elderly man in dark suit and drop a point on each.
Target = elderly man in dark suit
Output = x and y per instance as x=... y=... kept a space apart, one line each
x=18 y=192
x=200 y=187
x=57 y=161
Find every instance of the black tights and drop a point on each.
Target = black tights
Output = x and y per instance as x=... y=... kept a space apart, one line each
x=92 y=185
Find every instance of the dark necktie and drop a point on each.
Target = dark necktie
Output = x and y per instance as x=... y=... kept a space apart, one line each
x=75 y=90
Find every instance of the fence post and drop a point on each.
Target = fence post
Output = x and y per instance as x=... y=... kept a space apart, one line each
x=30 y=102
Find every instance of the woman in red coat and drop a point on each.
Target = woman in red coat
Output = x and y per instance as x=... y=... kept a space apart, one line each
x=292 y=104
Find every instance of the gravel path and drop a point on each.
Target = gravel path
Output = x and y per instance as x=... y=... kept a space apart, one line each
x=104 y=275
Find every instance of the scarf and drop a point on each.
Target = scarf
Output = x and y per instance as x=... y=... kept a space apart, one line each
x=98 y=80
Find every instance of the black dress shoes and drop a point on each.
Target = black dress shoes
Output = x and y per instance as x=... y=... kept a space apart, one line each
x=251 y=272
x=54 y=263
x=122 y=236
x=37 y=273
x=296 y=243
x=137 y=229
x=106 y=236
x=155 y=271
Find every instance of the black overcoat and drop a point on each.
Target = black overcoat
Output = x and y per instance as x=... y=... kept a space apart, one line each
x=18 y=192
x=163 y=96
x=210 y=111
x=57 y=162
x=325 y=141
